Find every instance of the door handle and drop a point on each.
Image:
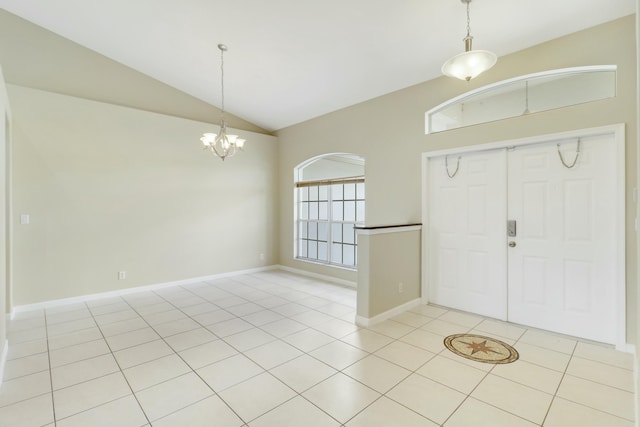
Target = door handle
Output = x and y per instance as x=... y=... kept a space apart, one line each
x=512 y=244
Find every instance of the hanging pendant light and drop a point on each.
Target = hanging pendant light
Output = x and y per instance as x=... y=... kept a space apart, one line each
x=221 y=144
x=470 y=63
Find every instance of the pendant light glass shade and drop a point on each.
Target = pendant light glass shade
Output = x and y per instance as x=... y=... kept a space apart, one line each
x=221 y=144
x=470 y=63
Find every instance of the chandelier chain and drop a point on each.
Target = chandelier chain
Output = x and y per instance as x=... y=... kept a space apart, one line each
x=222 y=79
x=468 y=20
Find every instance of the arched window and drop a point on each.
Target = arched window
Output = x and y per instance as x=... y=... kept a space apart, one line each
x=330 y=202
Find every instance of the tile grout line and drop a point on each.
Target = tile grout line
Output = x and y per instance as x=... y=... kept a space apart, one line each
x=555 y=394
x=53 y=401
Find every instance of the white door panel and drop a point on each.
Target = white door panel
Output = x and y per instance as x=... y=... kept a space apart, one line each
x=467 y=268
x=562 y=273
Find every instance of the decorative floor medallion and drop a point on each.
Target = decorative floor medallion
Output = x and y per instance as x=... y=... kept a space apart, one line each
x=481 y=349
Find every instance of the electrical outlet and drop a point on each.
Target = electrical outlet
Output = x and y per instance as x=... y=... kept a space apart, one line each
x=400 y=287
x=122 y=275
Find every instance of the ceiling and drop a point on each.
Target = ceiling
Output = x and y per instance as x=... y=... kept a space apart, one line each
x=292 y=60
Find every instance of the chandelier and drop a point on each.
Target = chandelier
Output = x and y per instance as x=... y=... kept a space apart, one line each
x=470 y=63
x=221 y=144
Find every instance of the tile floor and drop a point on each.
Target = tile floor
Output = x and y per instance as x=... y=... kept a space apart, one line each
x=276 y=350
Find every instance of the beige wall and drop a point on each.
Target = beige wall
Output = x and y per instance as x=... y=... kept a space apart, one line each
x=112 y=189
x=5 y=118
x=389 y=132
x=386 y=259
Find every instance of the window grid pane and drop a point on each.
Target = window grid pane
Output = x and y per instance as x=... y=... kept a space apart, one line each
x=327 y=217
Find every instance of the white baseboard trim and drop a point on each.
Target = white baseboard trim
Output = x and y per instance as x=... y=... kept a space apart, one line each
x=324 y=277
x=128 y=291
x=626 y=348
x=3 y=359
x=366 y=321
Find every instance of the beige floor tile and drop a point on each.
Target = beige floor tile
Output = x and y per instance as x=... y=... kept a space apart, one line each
x=456 y=375
x=273 y=354
x=462 y=319
x=117 y=316
x=71 y=326
x=25 y=366
x=405 y=355
x=26 y=387
x=341 y=396
x=21 y=325
x=109 y=308
x=549 y=341
x=338 y=354
x=256 y=396
x=229 y=327
x=131 y=339
x=230 y=302
x=303 y=373
x=211 y=317
x=472 y=363
x=172 y=315
x=29 y=348
x=502 y=329
x=62 y=317
x=601 y=373
x=27 y=335
x=229 y=372
x=367 y=340
x=543 y=357
x=74 y=338
x=263 y=317
x=564 y=413
x=84 y=370
x=203 y=307
x=37 y=411
x=142 y=353
x=478 y=414
x=245 y=309
x=412 y=319
x=425 y=340
x=377 y=373
x=81 y=397
x=123 y=412
x=443 y=328
x=174 y=327
x=78 y=352
x=294 y=413
x=534 y=376
x=290 y=309
x=336 y=309
x=313 y=302
x=604 y=354
x=308 y=339
x=311 y=318
x=427 y=397
x=337 y=328
x=512 y=397
x=272 y=301
x=193 y=338
x=151 y=373
x=170 y=396
x=385 y=412
x=207 y=353
x=201 y=414
x=598 y=396
x=391 y=329
x=249 y=339
x=429 y=310
x=123 y=326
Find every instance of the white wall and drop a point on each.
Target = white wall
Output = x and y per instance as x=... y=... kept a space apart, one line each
x=111 y=189
x=5 y=118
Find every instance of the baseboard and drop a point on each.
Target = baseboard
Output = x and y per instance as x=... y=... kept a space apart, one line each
x=626 y=348
x=3 y=359
x=324 y=277
x=370 y=321
x=129 y=291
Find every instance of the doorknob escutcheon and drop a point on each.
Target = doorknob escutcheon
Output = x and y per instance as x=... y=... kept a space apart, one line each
x=512 y=244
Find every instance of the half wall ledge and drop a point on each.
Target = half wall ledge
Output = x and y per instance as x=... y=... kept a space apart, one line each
x=389 y=271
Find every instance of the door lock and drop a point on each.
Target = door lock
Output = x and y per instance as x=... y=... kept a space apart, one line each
x=512 y=244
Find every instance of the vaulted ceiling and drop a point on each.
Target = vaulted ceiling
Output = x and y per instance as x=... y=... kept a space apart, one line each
x=292 y=60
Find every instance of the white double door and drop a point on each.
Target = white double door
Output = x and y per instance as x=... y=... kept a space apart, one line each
x=559 y=271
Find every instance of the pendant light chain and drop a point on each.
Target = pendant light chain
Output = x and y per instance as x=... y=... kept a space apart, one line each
x=222 y=49
x=468 y=20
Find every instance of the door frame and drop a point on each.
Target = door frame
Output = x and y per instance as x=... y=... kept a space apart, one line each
x=618 y=132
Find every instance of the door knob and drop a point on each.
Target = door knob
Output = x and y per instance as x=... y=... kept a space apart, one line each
x=512 y=244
